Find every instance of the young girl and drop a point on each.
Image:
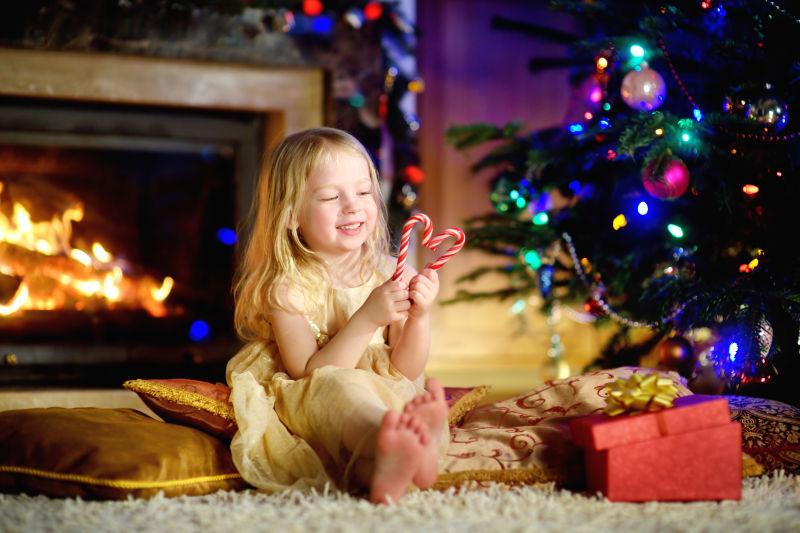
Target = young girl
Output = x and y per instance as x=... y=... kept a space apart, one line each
x=329 y=385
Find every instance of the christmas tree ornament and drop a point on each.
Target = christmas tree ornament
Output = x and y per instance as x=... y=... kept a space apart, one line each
x=764 y=335
x=666 y=178
x=743 y=356
x=676 y=353
x=768 y=112
x=762 y=374
x=643 y=89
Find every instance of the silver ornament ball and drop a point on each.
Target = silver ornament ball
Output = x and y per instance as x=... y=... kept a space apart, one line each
x=769 y=112
x=643 y=89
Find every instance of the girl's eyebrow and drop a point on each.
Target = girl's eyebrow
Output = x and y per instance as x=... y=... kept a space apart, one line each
x=366 y=181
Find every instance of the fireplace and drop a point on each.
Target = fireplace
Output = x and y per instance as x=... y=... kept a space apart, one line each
x=119 y=219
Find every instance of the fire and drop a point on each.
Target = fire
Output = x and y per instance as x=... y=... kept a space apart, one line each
x=53 y=274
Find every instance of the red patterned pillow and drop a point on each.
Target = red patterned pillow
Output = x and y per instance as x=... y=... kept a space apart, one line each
x=205 y=405
x=770 y=431
x=188 y=402
x=462 y=400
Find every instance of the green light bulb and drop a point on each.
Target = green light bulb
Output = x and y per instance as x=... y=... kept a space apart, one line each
x=637 y=51
x=533 y=259
x=675 y=230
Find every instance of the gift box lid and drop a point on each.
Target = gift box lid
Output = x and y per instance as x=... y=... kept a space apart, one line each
x=690 y=413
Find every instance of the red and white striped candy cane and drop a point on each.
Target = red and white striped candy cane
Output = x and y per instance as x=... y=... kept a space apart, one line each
x=402 y=253
x=458 y=233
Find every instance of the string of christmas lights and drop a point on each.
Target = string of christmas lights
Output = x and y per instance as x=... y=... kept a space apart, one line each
x=678 y=80
x=782 y=11
x=597 y=294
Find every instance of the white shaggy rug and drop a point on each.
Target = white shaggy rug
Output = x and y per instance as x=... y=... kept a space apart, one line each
x=768 y=504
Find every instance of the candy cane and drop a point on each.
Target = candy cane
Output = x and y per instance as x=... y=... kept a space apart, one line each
x=428 y=242
x=458 y=233
x=406 y=236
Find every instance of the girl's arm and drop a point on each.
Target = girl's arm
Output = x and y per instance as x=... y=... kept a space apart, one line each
x=411 y=341
x=298 y=347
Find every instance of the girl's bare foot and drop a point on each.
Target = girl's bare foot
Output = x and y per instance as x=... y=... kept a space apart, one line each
x=431 y=408
x=401 y=441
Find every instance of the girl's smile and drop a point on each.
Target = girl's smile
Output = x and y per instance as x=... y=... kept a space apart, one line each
x=351 y=229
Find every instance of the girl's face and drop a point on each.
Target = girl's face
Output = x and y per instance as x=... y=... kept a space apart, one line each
x=339 y=209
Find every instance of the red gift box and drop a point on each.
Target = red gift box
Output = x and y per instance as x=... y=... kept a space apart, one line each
x=691 y=451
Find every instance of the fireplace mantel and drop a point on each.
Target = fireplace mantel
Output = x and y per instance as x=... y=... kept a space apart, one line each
x=291 y=98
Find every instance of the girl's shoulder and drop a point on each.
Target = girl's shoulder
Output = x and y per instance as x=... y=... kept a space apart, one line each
x=288 y=298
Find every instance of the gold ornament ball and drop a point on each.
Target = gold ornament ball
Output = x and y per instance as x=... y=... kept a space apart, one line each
x=676 y=353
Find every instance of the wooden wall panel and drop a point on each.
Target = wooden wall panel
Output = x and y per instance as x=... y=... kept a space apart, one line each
x=476 y=74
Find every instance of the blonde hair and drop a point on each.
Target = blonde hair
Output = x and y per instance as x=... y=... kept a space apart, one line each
x=275 y=258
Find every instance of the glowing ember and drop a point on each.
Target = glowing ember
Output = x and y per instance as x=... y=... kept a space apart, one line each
x=52 y=274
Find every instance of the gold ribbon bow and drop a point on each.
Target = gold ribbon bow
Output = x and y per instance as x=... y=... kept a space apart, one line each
x=639 y=394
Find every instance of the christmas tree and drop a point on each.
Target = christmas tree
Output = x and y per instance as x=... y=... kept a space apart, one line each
x=668 y=205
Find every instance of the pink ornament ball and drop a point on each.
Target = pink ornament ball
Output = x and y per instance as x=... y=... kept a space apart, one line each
x=672 y=183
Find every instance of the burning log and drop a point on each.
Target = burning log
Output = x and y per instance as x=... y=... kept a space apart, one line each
x=58 y=281
x=23 y=261
x=55 y=275
x=8 y=288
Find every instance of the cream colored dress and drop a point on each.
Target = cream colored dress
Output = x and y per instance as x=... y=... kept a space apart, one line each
x=304 y=433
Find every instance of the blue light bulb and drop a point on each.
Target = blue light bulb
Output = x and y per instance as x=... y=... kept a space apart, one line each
x=226 y=236
x=199 y=330
x=733 y=349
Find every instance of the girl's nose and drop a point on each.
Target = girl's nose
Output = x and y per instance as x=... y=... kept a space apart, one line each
x=350 y=205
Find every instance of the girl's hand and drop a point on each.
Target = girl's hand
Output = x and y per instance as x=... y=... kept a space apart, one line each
x=423 y=289
x=386 y=303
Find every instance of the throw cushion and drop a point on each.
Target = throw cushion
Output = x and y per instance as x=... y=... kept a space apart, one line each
x=189 y=402
x=770 y=431
x=205 y=405
x=526 y=439
x=109 y=454
x=462 y=400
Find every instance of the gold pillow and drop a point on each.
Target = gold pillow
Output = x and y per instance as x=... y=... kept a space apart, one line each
x=109 y=454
